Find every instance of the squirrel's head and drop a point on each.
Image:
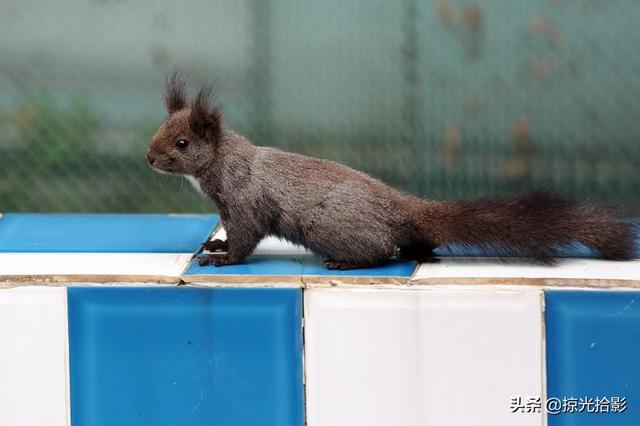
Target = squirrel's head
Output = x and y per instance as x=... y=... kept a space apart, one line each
x=183 y=143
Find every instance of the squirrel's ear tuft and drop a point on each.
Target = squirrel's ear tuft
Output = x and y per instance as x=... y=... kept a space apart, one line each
x=205 y=120
x=174 y=95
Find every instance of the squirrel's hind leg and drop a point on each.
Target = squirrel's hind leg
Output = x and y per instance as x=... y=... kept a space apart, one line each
x=345 y=265
x=420 y=252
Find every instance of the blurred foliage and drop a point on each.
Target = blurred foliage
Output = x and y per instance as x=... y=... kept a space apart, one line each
x=443 y=98
x=65 y=162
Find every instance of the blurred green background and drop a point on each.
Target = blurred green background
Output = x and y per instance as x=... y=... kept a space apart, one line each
x=445 y=98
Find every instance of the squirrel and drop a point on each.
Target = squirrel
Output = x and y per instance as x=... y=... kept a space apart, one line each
x=349 y=218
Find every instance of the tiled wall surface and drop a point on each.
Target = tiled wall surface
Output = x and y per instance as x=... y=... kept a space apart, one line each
x=282 y=341
x=33 y=356
x=196 y=356
x=421 y=357
x=593 y=351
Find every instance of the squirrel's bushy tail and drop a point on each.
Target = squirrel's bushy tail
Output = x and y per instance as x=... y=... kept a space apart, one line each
x=533 y=224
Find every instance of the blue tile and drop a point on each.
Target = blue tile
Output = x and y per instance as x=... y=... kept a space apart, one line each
x=185 y=356
x=299 y=265
x=593 y=350
x=146 y=233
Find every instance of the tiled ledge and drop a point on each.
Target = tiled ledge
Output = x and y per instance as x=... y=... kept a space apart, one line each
x=307 y=271
x=93 y=267
x=58 y=249
x=105 y=248
x=567 y=272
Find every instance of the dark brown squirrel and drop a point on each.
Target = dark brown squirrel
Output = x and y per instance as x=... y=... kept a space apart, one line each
x=349 y=218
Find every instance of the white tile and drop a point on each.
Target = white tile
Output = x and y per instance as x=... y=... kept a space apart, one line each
x=33 y=357
x=269 y=245
x=421 y=357
x=92 y=264
x=468 y=267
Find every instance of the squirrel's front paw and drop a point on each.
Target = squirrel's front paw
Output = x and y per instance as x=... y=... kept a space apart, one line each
x=216 y=245
x=215 y=260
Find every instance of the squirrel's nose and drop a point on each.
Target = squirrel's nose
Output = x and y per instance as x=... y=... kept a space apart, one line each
x=150 y=158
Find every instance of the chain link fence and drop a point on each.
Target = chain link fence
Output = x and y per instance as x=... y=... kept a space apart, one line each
x=446 y=98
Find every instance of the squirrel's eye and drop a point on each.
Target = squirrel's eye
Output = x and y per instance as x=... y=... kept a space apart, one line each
x=182 y=143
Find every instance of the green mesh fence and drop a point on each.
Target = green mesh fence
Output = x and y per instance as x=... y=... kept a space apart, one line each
x=449 y=99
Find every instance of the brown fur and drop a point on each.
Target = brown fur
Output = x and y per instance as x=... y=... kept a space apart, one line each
x=346 y=216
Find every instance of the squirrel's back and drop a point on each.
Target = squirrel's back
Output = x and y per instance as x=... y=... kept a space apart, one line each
x=328 y=207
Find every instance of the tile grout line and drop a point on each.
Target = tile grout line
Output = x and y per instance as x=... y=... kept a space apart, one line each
x=303 y=317
x=543 y=348
x=67 y=358
x=412 y=277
